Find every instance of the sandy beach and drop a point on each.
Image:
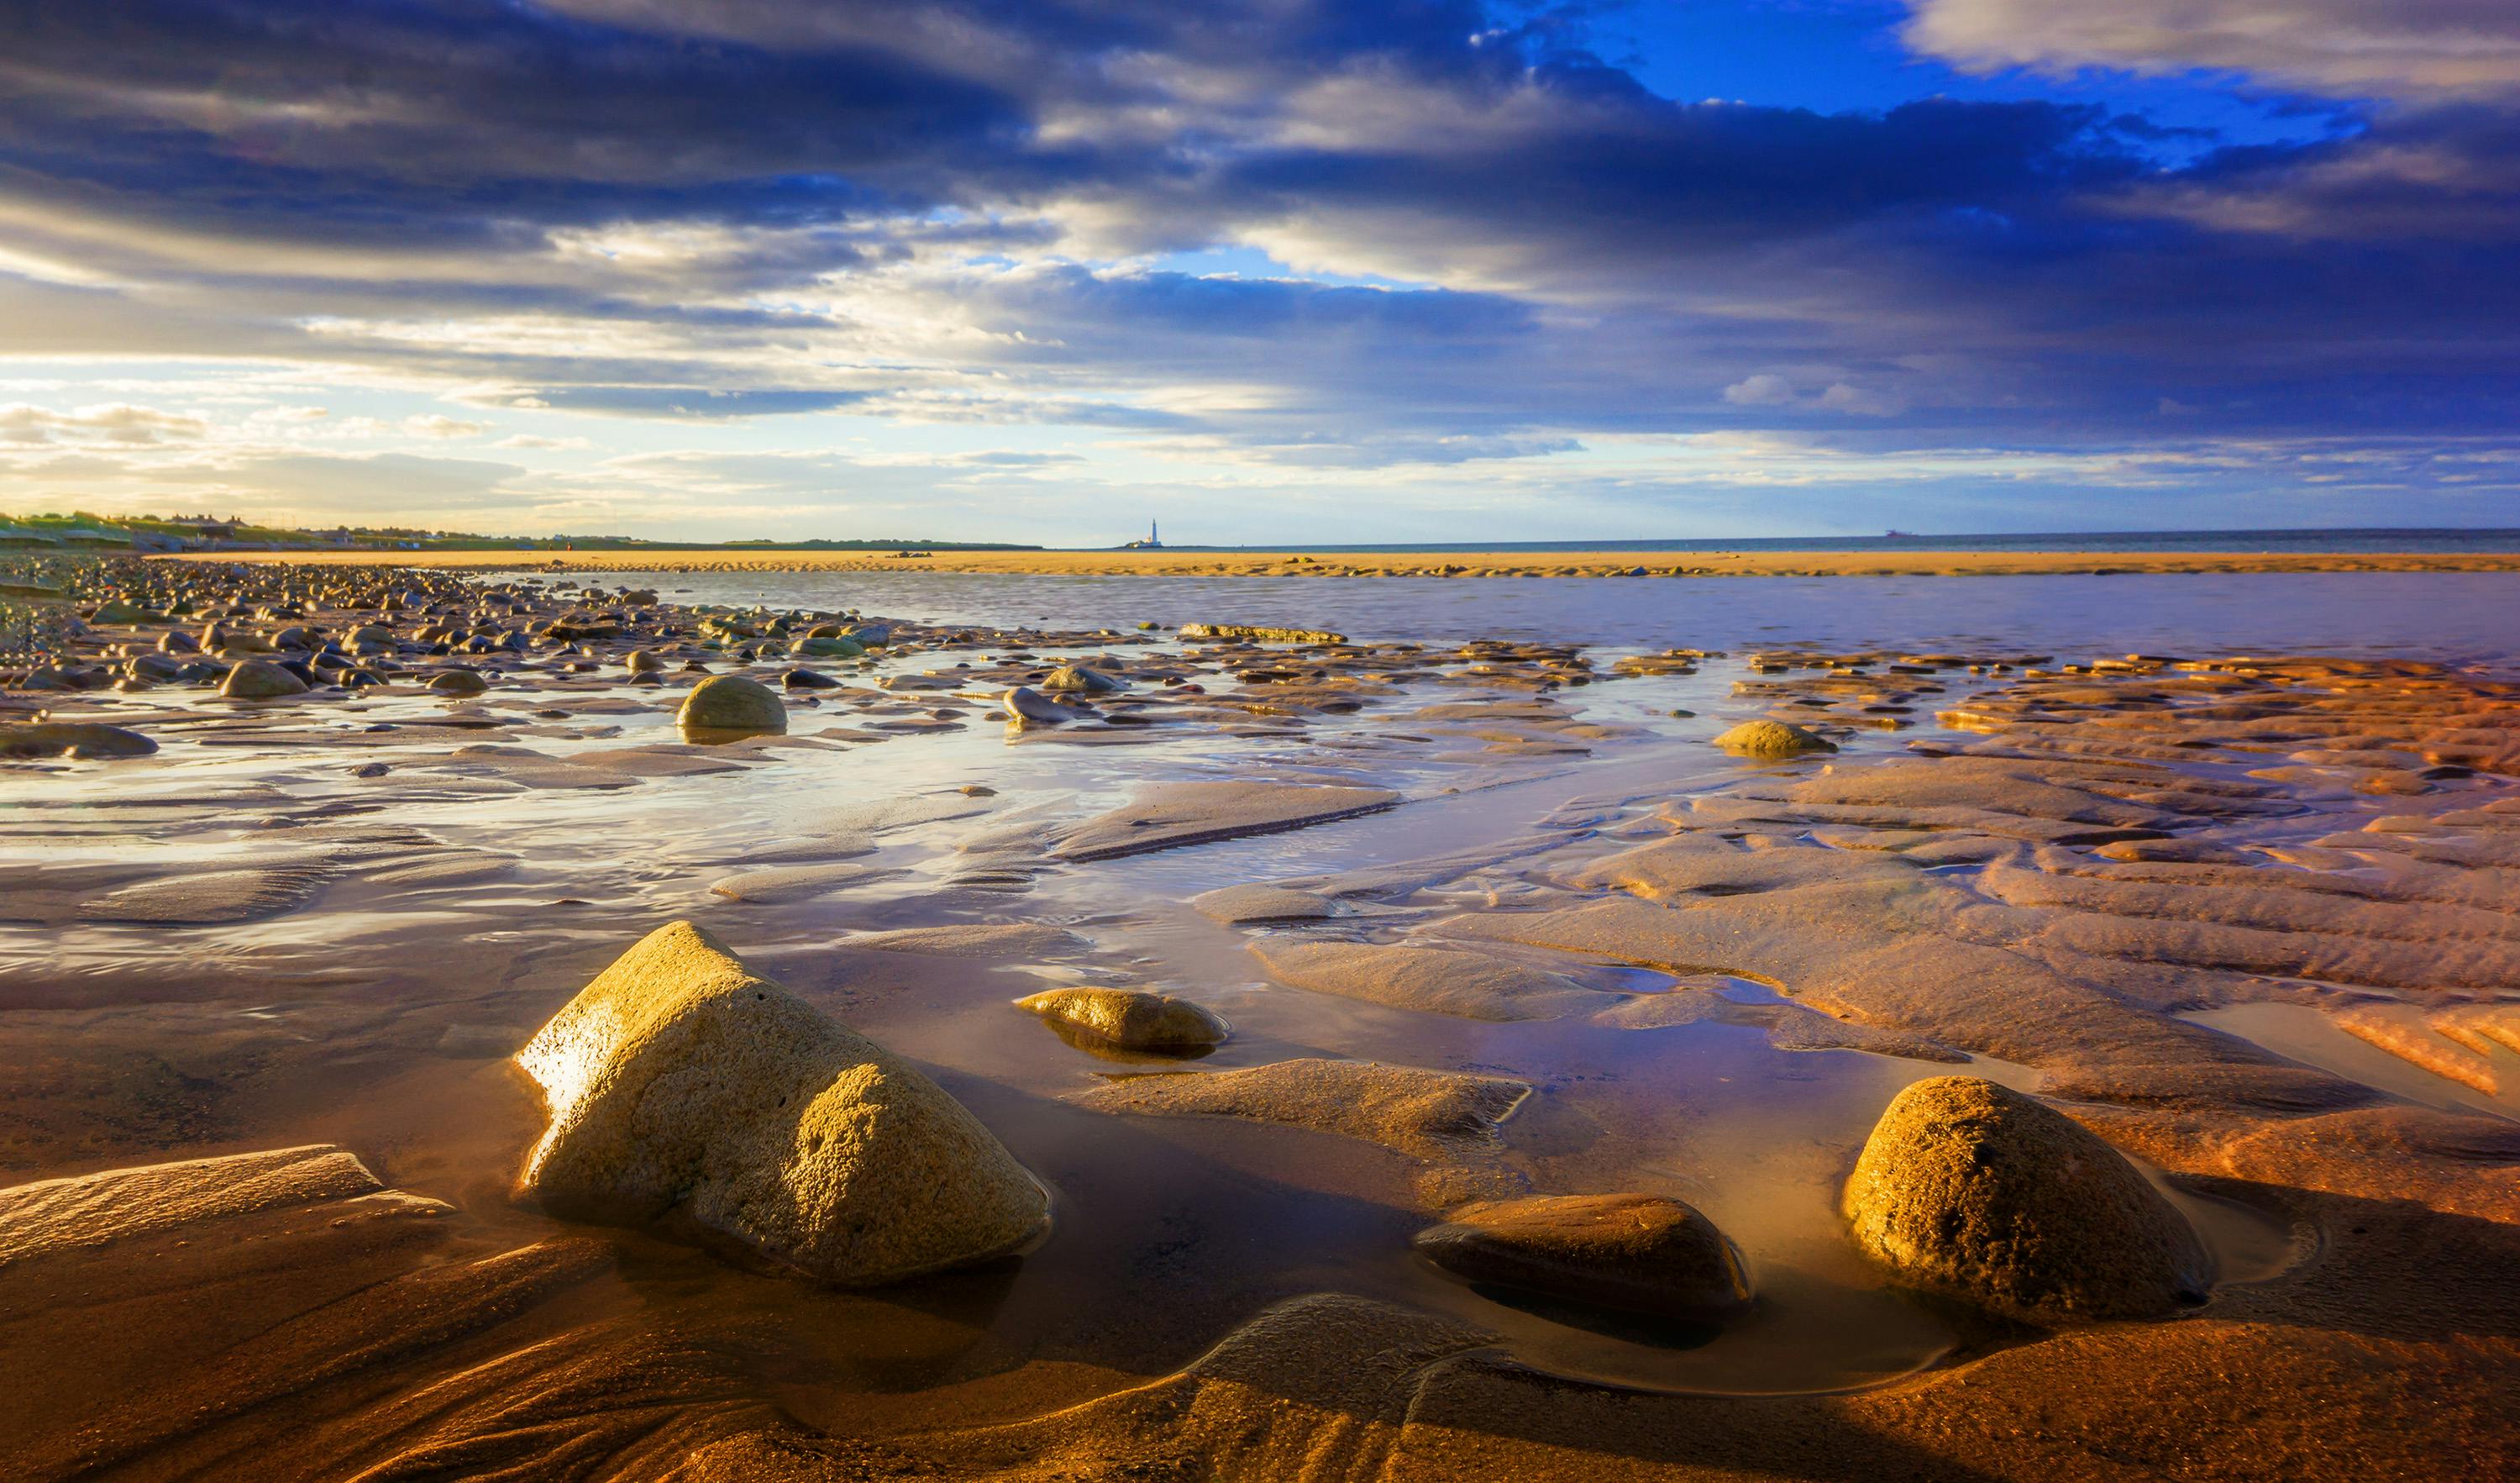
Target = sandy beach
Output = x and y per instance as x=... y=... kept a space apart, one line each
x=1598 y=563
x=456 y=1025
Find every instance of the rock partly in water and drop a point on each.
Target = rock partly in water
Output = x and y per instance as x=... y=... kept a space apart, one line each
x=260 y=680
x=1773 y=739
x=679 y=1078
x=1003 y=939
x=1472 y=984
x=1072 y=679
x=1636 y=1253
x=1977 y=1190
x=1133 y=1019
x=1026 y=706
x=77 y=739
x=1235 y=904
x=459 y=682
x=1194 y=813
x=732 y=704
x=1261 y=634
x=1427 y=1115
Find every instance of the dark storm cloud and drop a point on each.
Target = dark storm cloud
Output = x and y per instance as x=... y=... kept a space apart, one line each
x=1941 y=272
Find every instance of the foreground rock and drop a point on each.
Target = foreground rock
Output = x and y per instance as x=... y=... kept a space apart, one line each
x=1194 y=813
x=1973 y=1188
x=1636 y=1253
x=1773 y=739
x=1133 y=1019
x=679 y=1078
x=217 y=1317
x=732 y=704
x=94 y=1209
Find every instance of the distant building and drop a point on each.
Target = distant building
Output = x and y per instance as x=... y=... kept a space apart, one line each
x=1152 y=542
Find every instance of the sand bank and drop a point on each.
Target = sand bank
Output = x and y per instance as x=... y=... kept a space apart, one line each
x=1454 y=564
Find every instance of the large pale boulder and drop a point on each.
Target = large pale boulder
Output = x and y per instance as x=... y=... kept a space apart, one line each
x=732 y=704
x=680 y=1078
x=1975 y=1189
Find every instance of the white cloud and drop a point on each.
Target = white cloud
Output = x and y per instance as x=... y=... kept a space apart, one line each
x=1761 y=390
x=2354 y=48
x=1768 y=390
x=438 y=425
x=112 y=424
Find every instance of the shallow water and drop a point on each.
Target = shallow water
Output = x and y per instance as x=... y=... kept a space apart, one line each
x=2455 y=615
x=383 y=1010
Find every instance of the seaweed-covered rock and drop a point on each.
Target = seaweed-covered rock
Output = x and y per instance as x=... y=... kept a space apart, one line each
x=1978 y=1189
x=1773 y=739
x=732 y=704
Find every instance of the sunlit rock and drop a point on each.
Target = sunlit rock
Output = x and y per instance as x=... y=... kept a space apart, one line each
x=679 y=1078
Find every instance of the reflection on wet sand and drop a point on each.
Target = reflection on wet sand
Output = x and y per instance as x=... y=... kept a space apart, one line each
x=1477 y=922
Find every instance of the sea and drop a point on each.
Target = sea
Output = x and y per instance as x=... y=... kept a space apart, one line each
x=2370 y=539
x=2454 y=616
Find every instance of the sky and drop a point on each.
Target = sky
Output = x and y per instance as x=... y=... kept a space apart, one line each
x=1269 y=271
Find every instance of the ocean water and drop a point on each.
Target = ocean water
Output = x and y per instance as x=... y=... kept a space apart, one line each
x=2466 y=616
x=2366 y=538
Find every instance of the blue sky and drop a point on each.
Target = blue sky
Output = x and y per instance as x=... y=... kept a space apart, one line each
x=1265 y=269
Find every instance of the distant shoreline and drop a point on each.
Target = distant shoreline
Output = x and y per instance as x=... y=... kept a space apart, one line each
x=1459 y=564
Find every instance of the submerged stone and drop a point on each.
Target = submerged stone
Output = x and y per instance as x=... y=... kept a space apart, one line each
x=679 y=1078
x=1237 y=904
x=1975 y=1189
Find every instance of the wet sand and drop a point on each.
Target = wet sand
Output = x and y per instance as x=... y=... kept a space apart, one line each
x=2253 y=919
x=1385 y=564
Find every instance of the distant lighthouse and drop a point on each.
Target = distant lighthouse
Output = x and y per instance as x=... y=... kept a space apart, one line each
x=1152 y=542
